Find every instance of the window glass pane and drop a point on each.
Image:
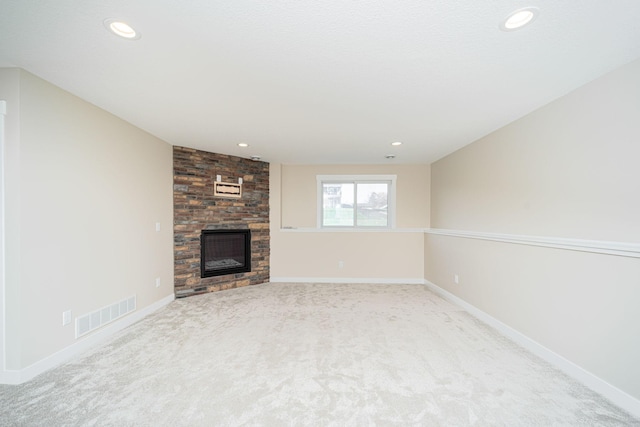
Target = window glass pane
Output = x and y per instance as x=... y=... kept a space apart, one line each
x=337 y=204
x=372 y=208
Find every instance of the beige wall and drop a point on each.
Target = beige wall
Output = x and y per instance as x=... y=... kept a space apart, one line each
x=84 y=192
x=311 y=253
x=10 y=92
x=567 y=170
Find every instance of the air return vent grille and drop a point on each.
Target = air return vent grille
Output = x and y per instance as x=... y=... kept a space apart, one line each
x=92 y=321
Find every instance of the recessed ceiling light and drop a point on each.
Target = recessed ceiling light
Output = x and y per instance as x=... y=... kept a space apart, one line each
x=519 y=18
x=243 y=144
x=121 y=29
x=396 y=143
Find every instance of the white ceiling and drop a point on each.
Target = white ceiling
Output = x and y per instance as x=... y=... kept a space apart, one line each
x=332 y=81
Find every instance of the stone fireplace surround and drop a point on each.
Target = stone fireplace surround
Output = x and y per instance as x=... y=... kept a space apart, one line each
x=195 y=208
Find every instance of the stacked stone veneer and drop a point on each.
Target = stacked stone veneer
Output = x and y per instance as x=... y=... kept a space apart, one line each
x=195 y=208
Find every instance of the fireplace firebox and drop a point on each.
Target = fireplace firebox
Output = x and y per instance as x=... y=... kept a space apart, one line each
x=225 y=252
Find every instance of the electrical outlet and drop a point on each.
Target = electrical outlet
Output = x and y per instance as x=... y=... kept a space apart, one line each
x=66 y=317
x=157 y=226
x=157 y=282
x=456 y=279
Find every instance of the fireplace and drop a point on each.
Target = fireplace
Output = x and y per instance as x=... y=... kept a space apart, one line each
x=225 y=252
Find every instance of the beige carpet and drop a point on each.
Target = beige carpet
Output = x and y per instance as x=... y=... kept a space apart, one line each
x=308 y=355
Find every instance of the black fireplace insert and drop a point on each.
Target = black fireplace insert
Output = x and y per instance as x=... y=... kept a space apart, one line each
x=225 y=252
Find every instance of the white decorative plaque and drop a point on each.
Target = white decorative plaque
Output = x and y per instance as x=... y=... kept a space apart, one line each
x=227 y=189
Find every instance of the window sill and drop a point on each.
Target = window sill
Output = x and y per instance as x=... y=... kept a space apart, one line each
x=351 y=230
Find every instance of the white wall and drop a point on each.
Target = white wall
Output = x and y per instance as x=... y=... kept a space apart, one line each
x=567 y=170
x=84 y=191
x=306 y=253
x=10 y=92
x=3 y=111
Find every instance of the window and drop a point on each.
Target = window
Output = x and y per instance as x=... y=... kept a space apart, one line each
x=356 y=201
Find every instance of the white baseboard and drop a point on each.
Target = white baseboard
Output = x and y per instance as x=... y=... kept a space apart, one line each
x=346 y=280
x=95 y=338
x=9 y=377
x=614 y=394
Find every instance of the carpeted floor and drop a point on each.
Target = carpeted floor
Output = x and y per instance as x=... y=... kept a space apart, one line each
x=308 y=355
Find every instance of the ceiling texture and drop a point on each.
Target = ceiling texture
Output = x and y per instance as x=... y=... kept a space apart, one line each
x=332 y=81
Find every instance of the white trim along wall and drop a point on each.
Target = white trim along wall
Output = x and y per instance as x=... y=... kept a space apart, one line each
x=3 y=365
x=593 y=246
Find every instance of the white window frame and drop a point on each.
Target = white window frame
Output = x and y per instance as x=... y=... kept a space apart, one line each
x=358 y=179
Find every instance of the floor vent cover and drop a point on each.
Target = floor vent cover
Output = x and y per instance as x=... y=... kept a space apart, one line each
x=92 y=321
